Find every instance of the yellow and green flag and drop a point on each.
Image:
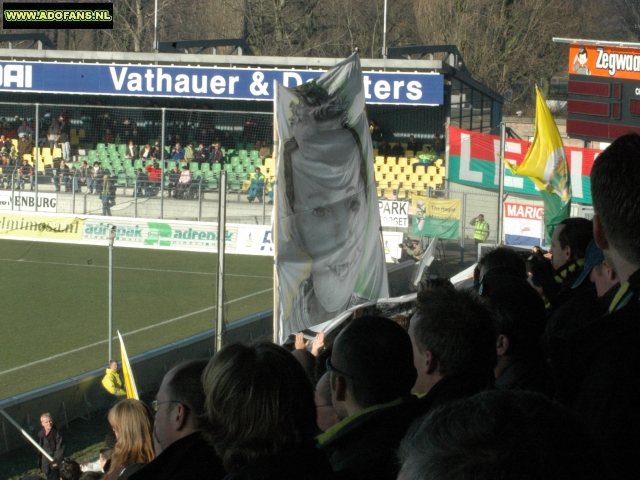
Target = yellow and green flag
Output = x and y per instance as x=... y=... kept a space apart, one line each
x=436 y=217
x=127 y=373
x=546 y=166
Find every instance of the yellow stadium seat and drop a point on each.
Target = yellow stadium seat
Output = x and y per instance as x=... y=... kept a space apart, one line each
x=384 y=169
x=379 y=176
x=396 y=169
x=415 y=177
x=437 y=179
x=442 y=171
x=379 y=161
x=403 y=161
x=431 y=170
x=438 y=163
x=14 y=142
x=57 y=152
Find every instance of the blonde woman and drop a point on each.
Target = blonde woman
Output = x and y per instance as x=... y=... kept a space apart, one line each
x=132 y=422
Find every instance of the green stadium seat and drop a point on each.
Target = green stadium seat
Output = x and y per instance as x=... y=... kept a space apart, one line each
x=112 y=148
x=249 y=147
x=101 y=147
x=242 y=154
x=122 y=149
x=246 y=163
x=171 y=164
x=235 y=160
x=122 y=178
x=205 y=167
x=254 y=154
x=93 y=154
x=257 y=162
x=127 y=163
x=216 y=167
x=138 y=164
x=239 y=146
x=194 y=166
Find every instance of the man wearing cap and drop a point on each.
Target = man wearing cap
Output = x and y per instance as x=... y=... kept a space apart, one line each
x=481 y=229
x=600 y=273
x=412 y=250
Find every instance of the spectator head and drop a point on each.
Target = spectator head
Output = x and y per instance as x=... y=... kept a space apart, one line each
x=105 y=456
x=131 y=143
x=91 y=476
x=132 y=422
x=326 y=414
x=371 y=364
x=570 y=240
x=200 y=146
x=452 y=334
x=178 y=145
x=257 y=169
x=259 y=402
x=46 y=420
x=614 y=187
x=180 y=404
x=520 y=317
x=147 y=146
x=84 y=163
x=156 y=165
x=69 y=470
x=499 y=435
x=411 y=139
x=501 y=262
x=185 y=167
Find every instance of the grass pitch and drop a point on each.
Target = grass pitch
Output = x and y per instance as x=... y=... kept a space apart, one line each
x=54 y=304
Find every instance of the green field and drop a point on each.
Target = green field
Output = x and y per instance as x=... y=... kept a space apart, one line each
x=54 y=307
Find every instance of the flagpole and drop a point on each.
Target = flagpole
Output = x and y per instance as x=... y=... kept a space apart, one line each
x=111 y=236
x=274 y=223
x=503 y=139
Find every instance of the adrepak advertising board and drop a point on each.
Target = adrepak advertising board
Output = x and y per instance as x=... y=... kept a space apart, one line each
x=136 y=233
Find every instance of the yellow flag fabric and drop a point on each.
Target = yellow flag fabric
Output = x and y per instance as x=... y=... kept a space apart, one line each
x=127 y=373
x=546 y=163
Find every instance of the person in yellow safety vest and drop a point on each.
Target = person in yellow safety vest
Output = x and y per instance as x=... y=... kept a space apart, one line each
x=481 y=232
x=112 y=381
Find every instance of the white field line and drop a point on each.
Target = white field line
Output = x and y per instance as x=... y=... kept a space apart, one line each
x=127 y=268
x=149 y=327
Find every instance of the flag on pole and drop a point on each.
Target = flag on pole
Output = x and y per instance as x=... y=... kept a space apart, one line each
x=328 y=253
x=547 y=167
x=127 y=373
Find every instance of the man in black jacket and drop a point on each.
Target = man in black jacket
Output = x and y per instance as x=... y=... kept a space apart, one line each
x=51 y=442
x=181 y=452
x=372 y=374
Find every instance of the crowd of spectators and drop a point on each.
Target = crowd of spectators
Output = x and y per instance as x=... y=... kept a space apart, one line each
x=529 y=374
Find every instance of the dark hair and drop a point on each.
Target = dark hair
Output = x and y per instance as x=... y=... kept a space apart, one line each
x=615 y=177
x=326 y=107
x=70 y=470
x=518 y=311
x=541 y=270
x=106 y=452
x=377 y=353
x=186 y=387
x=500 y=435
x=501 y=261
x=458 y=330
x=577 y=234
x=91 y=476
x=259 y=402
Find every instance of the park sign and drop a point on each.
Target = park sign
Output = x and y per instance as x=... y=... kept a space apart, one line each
x=393 y=213
x=474 y=161
x=393 y=88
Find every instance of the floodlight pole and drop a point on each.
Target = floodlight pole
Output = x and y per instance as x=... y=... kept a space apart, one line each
x=222 y=214
x=384 y=32
x=111 y=236
x=503 y=139
x=155 y=29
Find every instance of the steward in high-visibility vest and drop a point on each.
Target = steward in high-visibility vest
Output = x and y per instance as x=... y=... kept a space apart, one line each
x=481 y=231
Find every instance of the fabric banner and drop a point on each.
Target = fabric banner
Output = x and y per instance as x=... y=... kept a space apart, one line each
x=473 y=155
x=522 y=224
x=329 y=253
x=436 y=218
x=127 y=373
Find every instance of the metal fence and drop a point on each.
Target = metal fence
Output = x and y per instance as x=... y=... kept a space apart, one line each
x=129 y=155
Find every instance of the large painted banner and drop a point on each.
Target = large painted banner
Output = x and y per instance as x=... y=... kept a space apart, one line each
x=436 y=218
x=522 y=224
x=22 y=201
x=205 y=82
x=474 y=161
x=329 y=255
x=604 y=61
x=136 y=232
